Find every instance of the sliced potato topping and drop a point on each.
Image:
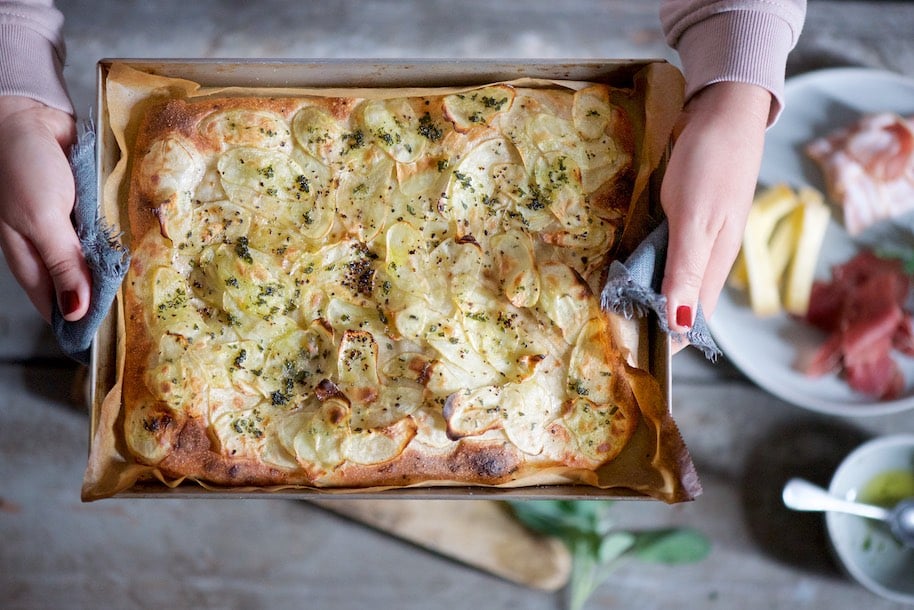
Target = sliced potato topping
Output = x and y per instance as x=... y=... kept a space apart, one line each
x=318 y=133
x=258 y=128
x=393 y=123
x=477 y=107
x=406 y=258
x=343 y=316
x=171 y=379
x=333 y=281
x=209 y=188
x=592 y=111
x=458 y=363
x=291 y=365
x=244 y=286
x=218 y=221
x=473 y=183
x=551 y=134
x=591 y=426
x=171 y=165
x=240 y=433
x=589 y=374
x=364 y=193
x=275 y=453
x=381 y=445
x=168 y=175
x=472 y=412
x=393 y=403
x=529 y=408
x=272 y=184
x=235 y=365
x=319 y=439
x=155 y=428
x=563 y=299
x=357 y=366
x=516 y=267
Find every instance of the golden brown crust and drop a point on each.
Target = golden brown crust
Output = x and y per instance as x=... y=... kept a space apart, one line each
x=285 y=250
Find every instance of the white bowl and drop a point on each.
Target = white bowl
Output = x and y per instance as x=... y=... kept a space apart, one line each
x=866 y=549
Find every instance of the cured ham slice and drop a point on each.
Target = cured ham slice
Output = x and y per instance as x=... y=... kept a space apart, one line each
x=868 y=168
x=862 y=309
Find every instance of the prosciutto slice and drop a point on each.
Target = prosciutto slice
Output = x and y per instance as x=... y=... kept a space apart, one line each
x=868 y=168
x=862 y=310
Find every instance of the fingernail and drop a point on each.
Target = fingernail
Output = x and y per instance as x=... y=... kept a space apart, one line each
x=684 y=316
x=69 y=302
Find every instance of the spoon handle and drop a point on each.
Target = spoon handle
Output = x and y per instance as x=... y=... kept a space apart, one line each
x=800 y=494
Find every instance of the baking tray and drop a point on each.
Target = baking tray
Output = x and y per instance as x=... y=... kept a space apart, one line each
x=654 y=344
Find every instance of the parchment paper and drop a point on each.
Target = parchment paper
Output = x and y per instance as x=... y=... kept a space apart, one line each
x=656 y=462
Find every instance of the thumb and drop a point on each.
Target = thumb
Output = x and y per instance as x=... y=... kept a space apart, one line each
x=688 y=253
x=59 y=248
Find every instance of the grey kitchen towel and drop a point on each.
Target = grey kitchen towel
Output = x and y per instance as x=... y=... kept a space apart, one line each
x=632 y=289
x=106 y=258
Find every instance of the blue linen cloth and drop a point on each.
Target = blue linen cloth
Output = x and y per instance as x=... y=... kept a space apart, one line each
x=632 y=289
x=106 y=258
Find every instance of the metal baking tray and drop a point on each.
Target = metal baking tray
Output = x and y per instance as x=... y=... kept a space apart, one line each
x=655 y=346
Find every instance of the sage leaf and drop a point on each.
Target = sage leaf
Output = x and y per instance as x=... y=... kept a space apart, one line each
x=671 y=546
x=614 y=545
x=597 y=548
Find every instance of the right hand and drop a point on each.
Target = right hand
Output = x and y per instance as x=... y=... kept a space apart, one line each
x=707 y=191
x=36 y=198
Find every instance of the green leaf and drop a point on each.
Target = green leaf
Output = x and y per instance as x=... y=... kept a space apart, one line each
x=586 y=529
x=585 y=576
x=614 y=545
x=563 y=518
x=671 y=546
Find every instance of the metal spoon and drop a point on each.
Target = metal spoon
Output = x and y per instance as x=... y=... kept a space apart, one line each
x=800 y=494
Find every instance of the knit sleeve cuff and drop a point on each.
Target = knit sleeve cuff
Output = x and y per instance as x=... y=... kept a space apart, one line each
x=31 y=67
x=738 y=46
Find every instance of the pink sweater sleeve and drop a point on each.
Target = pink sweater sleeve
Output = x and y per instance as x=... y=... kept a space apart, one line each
x=734 y=40
x=32 y=52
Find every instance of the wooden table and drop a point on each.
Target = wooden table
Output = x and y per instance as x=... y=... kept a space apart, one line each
x=56 y=552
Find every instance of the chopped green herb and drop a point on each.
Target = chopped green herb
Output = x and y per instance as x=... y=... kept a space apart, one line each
x=578 y=387
x=243 y=250
x=491 y=102
x=240 y=358
x=428 y=129
x=355 y=139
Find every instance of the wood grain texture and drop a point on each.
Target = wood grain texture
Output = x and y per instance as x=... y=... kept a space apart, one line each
x=481 y=534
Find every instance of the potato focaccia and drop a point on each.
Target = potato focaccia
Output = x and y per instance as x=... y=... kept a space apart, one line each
x=348 y=292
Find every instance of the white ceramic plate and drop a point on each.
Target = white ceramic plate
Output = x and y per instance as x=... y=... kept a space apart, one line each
x=766 y=350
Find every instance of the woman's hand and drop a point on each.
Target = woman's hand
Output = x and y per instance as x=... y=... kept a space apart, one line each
x=707 y=192
x=36 y=199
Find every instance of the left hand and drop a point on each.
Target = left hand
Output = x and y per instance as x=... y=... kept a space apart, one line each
x=707 y=191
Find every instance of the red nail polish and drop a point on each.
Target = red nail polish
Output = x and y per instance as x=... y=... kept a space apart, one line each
x=69 y=302
x=684 y=316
